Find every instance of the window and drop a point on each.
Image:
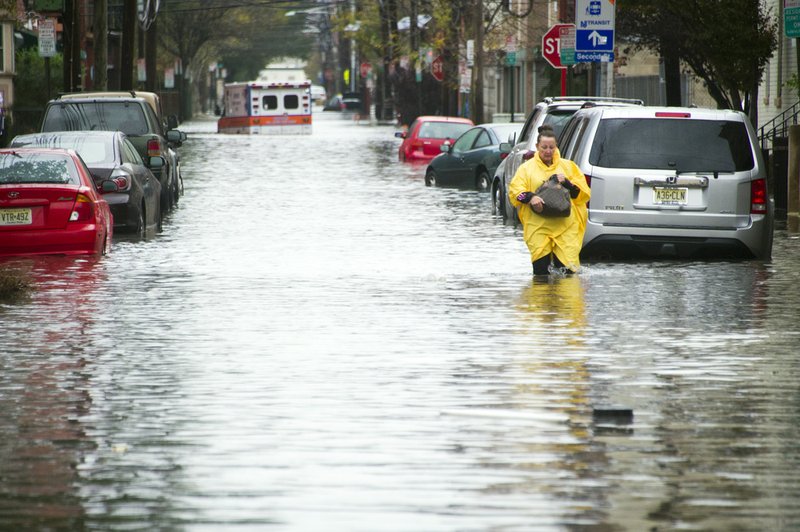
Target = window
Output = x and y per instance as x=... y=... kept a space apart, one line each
x=129 y=153
x=672 y=144
x=466 y=140
x=269 y=102
x=37 y=168
x=291 y=101
x=483 y=140
x=104 y=116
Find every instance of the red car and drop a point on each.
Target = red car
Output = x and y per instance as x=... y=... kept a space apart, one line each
x=425 y=136
x=49 y=204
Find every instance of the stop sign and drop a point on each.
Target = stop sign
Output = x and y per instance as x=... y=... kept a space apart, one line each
x=437 y=68
x=551 y=45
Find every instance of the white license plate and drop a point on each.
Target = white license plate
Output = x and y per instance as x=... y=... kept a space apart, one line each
x=670 y=195
x=15 y=217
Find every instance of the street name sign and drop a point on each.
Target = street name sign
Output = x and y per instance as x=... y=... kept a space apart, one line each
x=566 y=45
x=594 y=34
x=791 y=18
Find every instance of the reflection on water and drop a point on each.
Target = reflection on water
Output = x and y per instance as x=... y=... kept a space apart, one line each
x=347 y=349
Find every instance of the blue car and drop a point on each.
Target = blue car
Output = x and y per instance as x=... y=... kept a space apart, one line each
x=472 y=159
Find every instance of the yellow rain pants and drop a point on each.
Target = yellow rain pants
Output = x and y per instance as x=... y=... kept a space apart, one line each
x=561 y=236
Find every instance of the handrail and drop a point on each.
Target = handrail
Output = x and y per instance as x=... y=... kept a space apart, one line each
x=778 y=125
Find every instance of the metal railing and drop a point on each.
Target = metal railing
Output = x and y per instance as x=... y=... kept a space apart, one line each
x=778 y=126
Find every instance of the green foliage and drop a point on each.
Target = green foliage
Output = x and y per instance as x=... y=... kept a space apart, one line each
x=727 y=43
x=793 y=83
x=31 y=91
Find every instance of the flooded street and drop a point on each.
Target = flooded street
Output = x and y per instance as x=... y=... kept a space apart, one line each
x=317 y=341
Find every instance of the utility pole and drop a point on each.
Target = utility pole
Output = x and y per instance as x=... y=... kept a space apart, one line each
x=477 y=71
x=101 y=45
x=72 y=46
x=128 y=41
x=150 y=56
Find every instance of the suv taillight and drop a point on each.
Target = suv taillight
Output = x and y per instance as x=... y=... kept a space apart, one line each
x=153 y=148
x=758 y=196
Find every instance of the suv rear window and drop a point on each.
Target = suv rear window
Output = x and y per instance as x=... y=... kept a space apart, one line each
x=672 y=144
x=103 y=116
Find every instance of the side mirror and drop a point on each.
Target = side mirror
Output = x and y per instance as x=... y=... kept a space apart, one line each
x=400 y=134
x=108 y=186
x=504 y=147
x=156 y=162
x=172 y=122
x=176 y=136
x=446 y=147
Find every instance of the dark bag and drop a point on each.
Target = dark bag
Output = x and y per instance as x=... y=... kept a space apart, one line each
x=555 y=197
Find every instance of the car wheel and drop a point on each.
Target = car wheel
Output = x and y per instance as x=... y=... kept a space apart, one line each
x=498 y=203
x=430 y=178
x=483 y=182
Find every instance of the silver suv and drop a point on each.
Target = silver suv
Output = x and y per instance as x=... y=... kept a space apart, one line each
x=555 y=111
x=671 y=182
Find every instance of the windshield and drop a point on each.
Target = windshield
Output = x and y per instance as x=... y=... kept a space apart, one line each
x=672 y=144
x=105 y=116
x=20 y=167
x=91 y=149
x=442 y=130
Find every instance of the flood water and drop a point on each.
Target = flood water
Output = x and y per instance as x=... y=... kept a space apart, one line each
x=317 y=341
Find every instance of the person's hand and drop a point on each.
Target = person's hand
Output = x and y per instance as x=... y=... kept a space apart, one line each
x=561 y=178
x=537 y=204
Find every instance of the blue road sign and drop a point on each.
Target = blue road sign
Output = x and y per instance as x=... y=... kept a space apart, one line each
x=594 y=40
x=594 y=34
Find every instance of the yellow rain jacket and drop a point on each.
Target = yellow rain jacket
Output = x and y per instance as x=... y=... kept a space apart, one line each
x=562 y=236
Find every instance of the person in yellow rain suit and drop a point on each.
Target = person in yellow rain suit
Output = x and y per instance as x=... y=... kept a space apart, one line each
x=559 y=239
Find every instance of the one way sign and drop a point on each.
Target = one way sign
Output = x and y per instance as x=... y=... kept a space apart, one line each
x=594 y=34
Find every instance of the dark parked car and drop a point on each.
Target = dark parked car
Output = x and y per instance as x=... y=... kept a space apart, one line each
x=472 y=159
x=110 y=156
x=135 y=116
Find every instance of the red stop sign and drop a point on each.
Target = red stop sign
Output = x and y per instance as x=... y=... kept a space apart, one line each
x=437 y=68
x=551 y=45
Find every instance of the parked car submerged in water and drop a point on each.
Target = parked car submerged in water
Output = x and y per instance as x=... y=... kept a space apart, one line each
x=672 y=182
x=136 y=114
x=473 y=158
x=49 y=204
x=110 y=156
x=426 y=134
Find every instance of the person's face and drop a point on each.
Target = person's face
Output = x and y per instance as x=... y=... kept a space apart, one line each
x=546 y=149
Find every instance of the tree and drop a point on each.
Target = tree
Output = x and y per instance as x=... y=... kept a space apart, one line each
x=727 y=43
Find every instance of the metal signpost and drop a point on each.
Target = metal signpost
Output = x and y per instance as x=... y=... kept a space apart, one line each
x=594 y=36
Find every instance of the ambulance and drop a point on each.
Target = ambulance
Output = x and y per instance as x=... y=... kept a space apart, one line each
x=266 y=108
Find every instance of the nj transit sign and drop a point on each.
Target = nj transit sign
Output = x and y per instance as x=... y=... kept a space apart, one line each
x=594 y=34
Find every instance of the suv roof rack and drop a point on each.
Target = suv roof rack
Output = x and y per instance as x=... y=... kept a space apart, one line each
x=554 y=99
